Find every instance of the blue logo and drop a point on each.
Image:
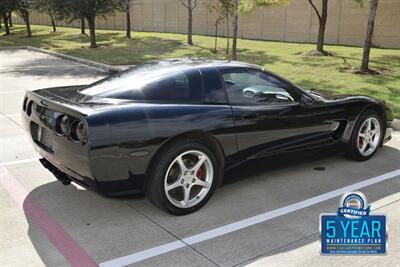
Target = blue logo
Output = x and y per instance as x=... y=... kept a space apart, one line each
x=353 y=230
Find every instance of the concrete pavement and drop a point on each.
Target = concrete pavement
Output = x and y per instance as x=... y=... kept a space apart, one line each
x=108 y=229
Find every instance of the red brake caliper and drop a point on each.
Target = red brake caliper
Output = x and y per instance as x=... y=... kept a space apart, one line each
x=200 y=173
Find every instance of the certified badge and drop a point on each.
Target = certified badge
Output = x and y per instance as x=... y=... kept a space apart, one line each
x=353 y=230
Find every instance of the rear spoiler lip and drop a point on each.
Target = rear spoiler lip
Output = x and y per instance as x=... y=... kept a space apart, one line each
x=63 y=106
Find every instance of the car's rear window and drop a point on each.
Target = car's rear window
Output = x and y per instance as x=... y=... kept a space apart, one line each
x=155 y=81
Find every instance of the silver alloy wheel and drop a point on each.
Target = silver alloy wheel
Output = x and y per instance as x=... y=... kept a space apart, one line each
x=188 y=179
x=369 y=136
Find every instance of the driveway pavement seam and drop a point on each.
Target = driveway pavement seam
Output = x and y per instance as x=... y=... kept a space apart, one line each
x=172 y=234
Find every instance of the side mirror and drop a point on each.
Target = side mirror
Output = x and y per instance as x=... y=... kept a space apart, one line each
x=306 y=101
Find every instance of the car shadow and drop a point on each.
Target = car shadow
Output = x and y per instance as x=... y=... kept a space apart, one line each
x=256 y=167
x=54 y=197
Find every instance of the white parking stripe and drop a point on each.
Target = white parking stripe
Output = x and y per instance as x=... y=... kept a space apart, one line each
x=7 y=163
x=162 y=249
x=10 y=115
x=12 y=92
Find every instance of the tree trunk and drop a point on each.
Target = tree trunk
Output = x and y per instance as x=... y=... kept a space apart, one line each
x=83 y=26
x=28 y=24
x=368 y=39
x=190 y=23
x=10 y=20
x=322 y=24
x=5 y=20
x=53 y=23
x=235 y=29
x=227 y=30
x=92 y=30
x=216 y=37
x=128 y=23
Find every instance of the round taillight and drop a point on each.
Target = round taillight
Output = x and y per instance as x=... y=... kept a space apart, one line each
x=24 y=103
x=29 y=108
x=81 y=132
x=64 y=124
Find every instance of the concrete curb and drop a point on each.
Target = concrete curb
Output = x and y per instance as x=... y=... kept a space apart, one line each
x=104 y=67
x=396 y=125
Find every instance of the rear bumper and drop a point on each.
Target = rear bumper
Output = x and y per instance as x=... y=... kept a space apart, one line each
x=111 y=189
x=101 y=171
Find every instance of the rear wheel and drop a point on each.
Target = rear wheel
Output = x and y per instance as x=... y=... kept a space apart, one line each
x=184 y=178
x=366 y=137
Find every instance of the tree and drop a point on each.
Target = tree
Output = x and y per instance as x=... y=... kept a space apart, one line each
x=22 y=9
x=245 y=6
x=235 y=28
x=6 y=7
x=322 y=17
x=83 y=26
x=45 y=6
x=189 y=5
x=88 y=9
x=373 y=6
x=219 y=8
x=126 y=7
x=228 y=6
x=10 y=19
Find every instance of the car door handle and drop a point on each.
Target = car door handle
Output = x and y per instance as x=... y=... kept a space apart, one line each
x=249 y=115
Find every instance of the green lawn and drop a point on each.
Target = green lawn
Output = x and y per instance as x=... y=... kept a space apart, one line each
x=326 y=73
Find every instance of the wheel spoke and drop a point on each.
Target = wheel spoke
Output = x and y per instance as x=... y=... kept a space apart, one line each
x=186 y=196
x=368 y=125
x=371 y=145
x=202 y=183
x=198 y=164
x=375 y=131
x=181 y=164
x=364 y=146
x=174 y=185
x=362 y=135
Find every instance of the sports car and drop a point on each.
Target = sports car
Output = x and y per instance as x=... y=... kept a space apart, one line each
x=170 y=129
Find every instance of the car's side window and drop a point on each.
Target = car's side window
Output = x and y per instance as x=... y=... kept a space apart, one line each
x=253 y=87
x=180 y=86
x=214 y=91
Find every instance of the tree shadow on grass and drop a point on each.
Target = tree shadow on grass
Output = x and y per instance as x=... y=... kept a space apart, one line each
x=259 y=57
x=114 y=47
x=123 y=51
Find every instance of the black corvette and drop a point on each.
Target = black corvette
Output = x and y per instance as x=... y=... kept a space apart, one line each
x=170 y=128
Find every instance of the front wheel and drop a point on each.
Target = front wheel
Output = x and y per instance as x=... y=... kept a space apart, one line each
x=185 y=177
x=366 y=137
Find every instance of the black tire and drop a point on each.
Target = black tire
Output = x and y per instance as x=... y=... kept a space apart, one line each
x=353 y=151
x=155 y=187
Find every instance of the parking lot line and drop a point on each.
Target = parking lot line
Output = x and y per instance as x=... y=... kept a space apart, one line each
x=232 y=227
x=12 y=92
x=10 y=115
x=54 y=232
x=14 y=162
